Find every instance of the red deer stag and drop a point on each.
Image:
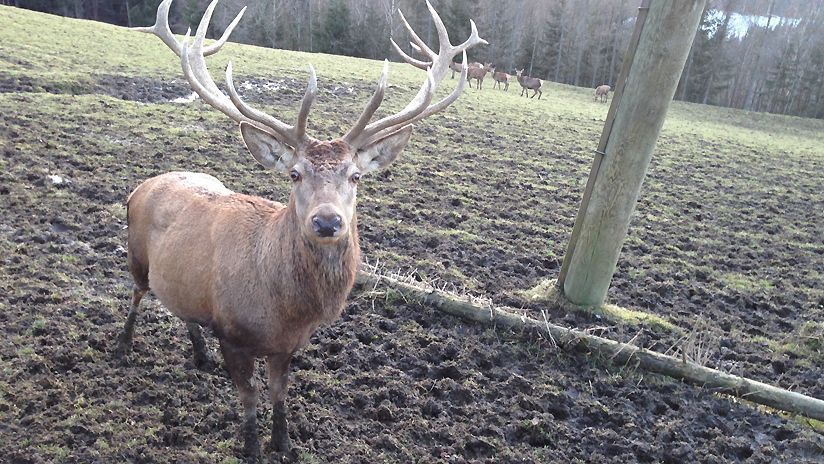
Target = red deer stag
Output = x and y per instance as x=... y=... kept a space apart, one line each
x=529 y=83
x=602 y=92
x=500 y=78
x=261 y=274
x=478 y=73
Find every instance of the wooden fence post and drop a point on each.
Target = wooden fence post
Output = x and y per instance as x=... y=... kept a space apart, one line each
x=602 y=223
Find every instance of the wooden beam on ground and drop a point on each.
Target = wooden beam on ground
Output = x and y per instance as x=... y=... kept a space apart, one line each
x=619 y=354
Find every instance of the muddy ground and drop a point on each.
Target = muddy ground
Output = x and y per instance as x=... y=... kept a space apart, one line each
x=394 y=381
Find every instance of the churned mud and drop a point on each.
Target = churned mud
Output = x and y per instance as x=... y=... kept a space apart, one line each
x=729 y=254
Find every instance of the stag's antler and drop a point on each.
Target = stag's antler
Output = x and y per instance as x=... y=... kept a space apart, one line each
x=362 y=134
x=192 y=59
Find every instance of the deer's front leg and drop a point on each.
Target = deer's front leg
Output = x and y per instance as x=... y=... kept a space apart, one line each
x=241 y=367
x=278 y=368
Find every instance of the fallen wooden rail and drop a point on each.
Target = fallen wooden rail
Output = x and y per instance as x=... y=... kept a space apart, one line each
x=618 y=353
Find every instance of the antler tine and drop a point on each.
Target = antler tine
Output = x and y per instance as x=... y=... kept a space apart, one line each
x=197 y=57
x=215 y=47
x=474 y=39
x=292 y=135
x=193 y=61
x=431 y=109
x=161 y=28
x=414 y=108
x=164 y=32
x=416 y=40
x=196 y=72
x=414 y=62
x=437 y=68
x=371 y=107
x=441 y=66
x=253 y=114
x=207 y=91
x=306 y=104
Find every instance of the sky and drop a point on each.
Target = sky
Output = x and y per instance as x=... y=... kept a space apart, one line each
x=739 y=24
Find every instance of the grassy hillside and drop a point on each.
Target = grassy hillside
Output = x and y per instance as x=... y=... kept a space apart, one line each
x=725 y=242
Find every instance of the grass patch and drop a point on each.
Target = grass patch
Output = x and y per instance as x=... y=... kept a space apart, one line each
x=547 y=292
x=745 y=283
x=806 y=342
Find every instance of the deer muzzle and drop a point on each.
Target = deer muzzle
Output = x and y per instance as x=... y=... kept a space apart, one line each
x=327 y=224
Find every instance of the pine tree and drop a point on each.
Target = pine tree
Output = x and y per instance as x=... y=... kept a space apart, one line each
x=142 y=13
x=334 y=33
x=551 y=42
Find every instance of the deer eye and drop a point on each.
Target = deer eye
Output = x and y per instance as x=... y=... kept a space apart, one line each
x=294 y=175
x=355 y=177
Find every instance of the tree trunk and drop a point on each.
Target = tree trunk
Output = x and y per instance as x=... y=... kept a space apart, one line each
x=560 y=50
x=535 y=41
x=578 y=59
x=616 y=41
x=685 y=78
x=718 y=49
x=309 y=28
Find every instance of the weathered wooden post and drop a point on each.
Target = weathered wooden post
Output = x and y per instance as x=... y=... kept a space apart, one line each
x=617 y=175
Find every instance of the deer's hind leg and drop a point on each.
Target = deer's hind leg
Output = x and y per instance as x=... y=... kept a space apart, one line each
x=140 y=273
x=202 y=359
x=124 y=340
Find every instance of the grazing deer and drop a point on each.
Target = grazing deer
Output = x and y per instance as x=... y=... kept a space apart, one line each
x=500 y=78
x=602 y=92
x=478 y=73
x=261 y=274
x=529 y=83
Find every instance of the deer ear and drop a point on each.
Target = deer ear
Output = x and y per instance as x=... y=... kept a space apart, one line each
x=380 y=154
x=267 y=149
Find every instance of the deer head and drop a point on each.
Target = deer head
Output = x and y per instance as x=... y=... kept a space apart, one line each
x=324 y=174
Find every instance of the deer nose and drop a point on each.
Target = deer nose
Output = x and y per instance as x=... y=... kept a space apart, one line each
x=326 y=225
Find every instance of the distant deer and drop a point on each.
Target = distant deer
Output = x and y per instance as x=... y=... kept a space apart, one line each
x=500 y=78
x=602 y=92
x=261 y=274
x=529 y=83
x=456 y=67
x=478 y=73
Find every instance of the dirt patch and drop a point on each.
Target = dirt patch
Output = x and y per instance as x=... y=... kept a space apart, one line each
x=149 y=90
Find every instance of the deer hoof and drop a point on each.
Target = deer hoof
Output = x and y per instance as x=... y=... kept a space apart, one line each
x=251 y=447
x=280 y=445
x=204 y=362
x=122 y=350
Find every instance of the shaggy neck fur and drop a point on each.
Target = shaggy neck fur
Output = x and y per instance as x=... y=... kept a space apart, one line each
x=314 y=280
